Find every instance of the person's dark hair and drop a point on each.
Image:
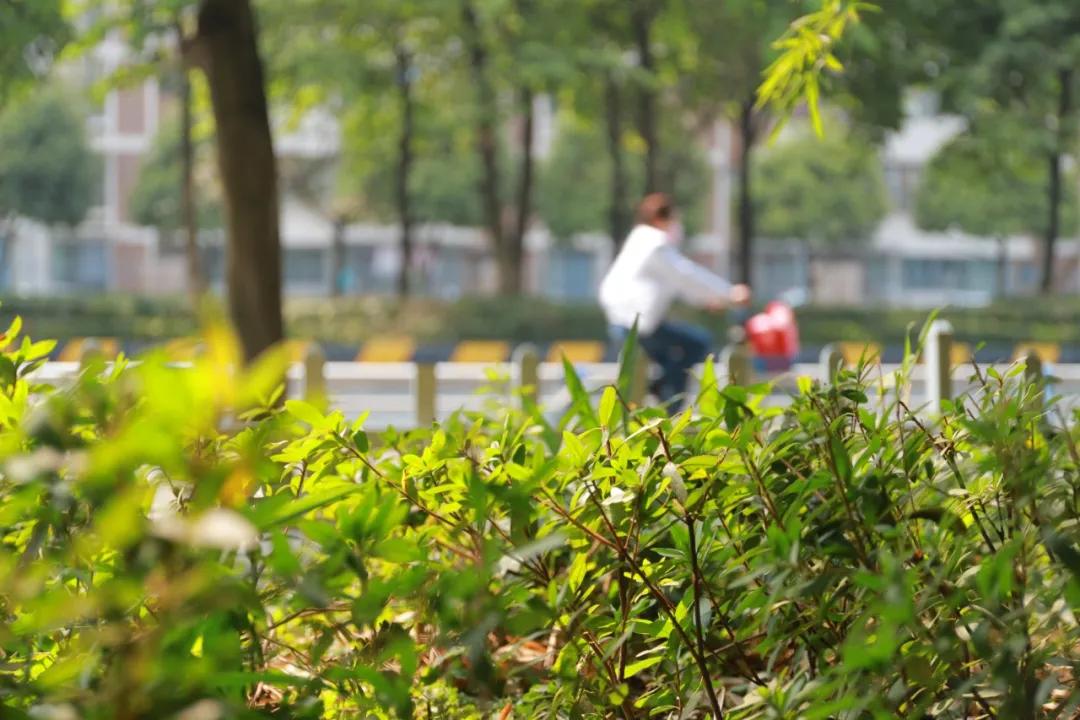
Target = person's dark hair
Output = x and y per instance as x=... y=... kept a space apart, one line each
x=655 y=208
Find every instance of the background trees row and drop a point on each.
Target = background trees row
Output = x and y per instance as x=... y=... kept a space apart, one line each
x=438 y=100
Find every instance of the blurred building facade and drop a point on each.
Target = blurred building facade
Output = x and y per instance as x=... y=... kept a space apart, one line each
x=899 y=265
x=108 y=252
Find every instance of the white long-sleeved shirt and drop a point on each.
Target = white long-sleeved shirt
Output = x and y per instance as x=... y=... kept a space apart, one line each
x=648 y=275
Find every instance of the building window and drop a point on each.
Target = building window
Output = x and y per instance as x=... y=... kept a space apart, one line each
x=1026 y=276
x=902 y=182
x=444 y=271
x=877 y=278
x=213 y=263
x=306 y=266
x=571 y=276
x=777 y=273
x=949 y=274
x=80 y=264
x=355 y=277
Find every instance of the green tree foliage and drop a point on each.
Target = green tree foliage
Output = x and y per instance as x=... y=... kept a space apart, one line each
x=726 y=49
x=47 y=171
x=389 y=102
x=32 y=32
x=829 y=190
x=573 y=197
x=156 y=200
x=443 y=177
x=985 y=187
x=805 y=53
x=1004 y=59
x=722 y=49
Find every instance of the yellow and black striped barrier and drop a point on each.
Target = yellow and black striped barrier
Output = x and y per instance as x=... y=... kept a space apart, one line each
x=109 y=348
x=481 y=351
x=857 y=351
x=1047 y=352
x=577 y=351
x=387 y=350
x=403 y=349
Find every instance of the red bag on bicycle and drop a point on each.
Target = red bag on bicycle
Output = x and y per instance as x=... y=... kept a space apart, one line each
x=774 y=334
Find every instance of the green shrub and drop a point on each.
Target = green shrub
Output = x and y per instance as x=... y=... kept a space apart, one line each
x=355 y=320
x=173 y=545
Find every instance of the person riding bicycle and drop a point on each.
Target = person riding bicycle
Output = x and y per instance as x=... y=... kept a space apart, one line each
x=648 y=275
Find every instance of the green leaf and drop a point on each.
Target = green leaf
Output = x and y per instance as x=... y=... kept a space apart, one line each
x=307 y=413
x=576 y=572
x=636 y=667
x=539 y=547
x=281 y=558
x=38 y=350
x=1061 y=547
x=281 y=514
x=942 y=516
x=399 y=550
x=581 y=403
x=607 y=405
x=12 y=332
x=8 y=374
x=841 y=459
x=709 y=397
x=574 y=449
x=628 y=359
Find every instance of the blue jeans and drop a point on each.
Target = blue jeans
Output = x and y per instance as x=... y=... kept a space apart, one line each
x=676 y=348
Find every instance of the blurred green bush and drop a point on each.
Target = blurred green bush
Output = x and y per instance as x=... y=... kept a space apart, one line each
x=355 y=320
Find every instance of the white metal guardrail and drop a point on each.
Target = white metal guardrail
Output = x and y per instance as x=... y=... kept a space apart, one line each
x=411 y=394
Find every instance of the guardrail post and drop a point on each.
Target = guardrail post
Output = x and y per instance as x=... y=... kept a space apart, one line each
x=939 y=342
x=1035 y=374
x=90 y=351
x=1033 y=366
x=832 y=362
x=639 y=378
x=738 y=364
x=426 y=392
x=527 y=361
x=314 y=373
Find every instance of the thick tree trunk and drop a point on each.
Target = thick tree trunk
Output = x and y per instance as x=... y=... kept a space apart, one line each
x=337 y=258
x=487 y=148
x=188 y=209
x=7 y=249
x=617 y=220
x=405 y=161
x=1002 y=267
x=515 y=251
x=1053 y=224
x=245 y=150
x=641 y=19
x=744 y=244
x=1054 y=185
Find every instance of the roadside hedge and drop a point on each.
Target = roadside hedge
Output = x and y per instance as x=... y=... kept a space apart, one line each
x=354 y=320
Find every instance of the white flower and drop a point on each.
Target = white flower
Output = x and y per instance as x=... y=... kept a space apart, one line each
x=203 y=710
x=53 y=712
x=617 y=496
x=24 y=468
x=678 y=485
x=216 y=528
